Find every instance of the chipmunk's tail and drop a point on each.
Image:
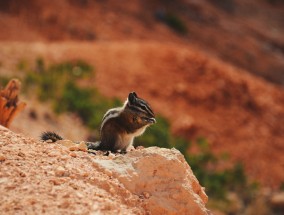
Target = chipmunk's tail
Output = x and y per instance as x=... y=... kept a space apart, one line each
x=48 y=135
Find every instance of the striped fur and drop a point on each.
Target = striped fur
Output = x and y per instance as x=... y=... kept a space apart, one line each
x=139 y=104
x=133 y=103
x=119 y=125
x=112 y=113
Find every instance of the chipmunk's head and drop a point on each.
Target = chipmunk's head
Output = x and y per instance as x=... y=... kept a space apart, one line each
x=142 y=114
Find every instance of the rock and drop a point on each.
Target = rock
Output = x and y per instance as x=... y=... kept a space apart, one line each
x=2 y=158
x=60 y=171
x=72 y=146
x=64 y=204
x=82 y=146
x=146 y=195
x=57 y=181
x=73 y=154
x=21 y=154
x=162 y=176
x=144 y=181
x=4 y=180
x=54 y=154
x=66 y=143
x=22 y=174
x=277 y=200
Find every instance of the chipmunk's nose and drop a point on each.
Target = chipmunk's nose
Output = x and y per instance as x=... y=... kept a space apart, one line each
x=152 y=120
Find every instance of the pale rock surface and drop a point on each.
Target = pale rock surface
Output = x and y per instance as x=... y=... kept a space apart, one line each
x=161 y=176
x=277 y=200
x=37 y=178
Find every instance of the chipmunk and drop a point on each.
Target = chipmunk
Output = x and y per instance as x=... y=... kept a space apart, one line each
x=119 y=125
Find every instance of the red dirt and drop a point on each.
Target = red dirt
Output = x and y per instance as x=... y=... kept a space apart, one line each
x=183 y=77
x=38 y=178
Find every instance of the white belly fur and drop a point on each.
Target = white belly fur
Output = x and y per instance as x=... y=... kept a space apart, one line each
x=126 y=140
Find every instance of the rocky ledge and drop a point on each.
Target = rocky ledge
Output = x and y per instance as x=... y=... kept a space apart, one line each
x=38 y=177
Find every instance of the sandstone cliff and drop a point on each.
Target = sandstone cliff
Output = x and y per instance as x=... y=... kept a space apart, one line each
x=38 y=177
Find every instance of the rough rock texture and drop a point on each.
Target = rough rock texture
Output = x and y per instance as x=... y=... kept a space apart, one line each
x=48 y=178
x=161 y=176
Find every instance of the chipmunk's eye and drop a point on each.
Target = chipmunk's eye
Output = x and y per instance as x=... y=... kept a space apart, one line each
x=145 y=119
x=143 y=107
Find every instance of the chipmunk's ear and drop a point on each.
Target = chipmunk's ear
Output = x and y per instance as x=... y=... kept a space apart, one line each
x=132 y=97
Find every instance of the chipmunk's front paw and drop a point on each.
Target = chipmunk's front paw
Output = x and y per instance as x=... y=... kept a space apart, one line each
x=130 y=148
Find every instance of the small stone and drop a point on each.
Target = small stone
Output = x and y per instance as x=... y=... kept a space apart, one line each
x=108 y=172
x=66 y=143
x=73 y=148
x=53 y=154
x=64 y=157
x=57 y=181
x=21 y=154
x=146 y=195
x=66 y=195
x=3 y=180
x=112 y=190
x=11 y=186
x=175 y=196
x=73 y=154
x=65 y=204
x=22 y=174
x=111 y=156
x=85 y=174
x=2 y=158
x=82 y=146
x=79 y=195
x=60 y=171
x=32 y=201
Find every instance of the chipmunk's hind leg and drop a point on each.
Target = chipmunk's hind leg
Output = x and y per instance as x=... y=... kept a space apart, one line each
x=48 y=135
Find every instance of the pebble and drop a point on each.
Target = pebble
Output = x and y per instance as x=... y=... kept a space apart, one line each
x=60 y=171
x=53 y=154
x=3 y=180
x=65 y=204
x=175 y=196
x=146 y=195
x=21 y=154
x=108 y=172
x=2 y=158
x=22 y=174
x=85 y=174
x=82 y=146
x=111 y=156
x=32 y=201
x=73 y=154
x=73 y=148
x=57 y=181
x=66 y=143
x=64 y=157
x=79 y=195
